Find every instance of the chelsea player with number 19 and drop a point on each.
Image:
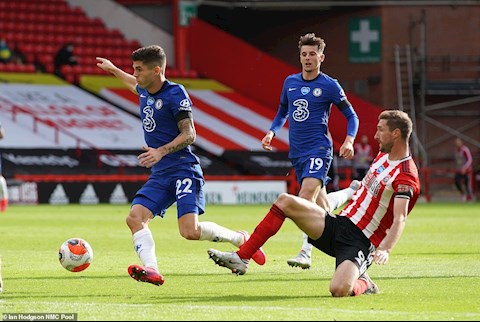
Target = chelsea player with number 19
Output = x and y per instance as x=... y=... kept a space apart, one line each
x=306 y=100
x=176 y=175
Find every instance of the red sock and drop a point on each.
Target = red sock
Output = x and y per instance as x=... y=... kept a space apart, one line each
x=359 y=287
x=3 y=205
x=264 y=230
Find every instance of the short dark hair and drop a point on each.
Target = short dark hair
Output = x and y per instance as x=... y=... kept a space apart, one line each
x=311 y=40
x=397 y=119
x=151 y=56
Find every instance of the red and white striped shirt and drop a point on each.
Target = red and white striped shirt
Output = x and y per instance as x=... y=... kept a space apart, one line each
x=371 y=207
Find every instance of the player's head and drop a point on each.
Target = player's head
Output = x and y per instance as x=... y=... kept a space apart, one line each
x=311 y=53
x=393 y=126
x=150 y=56
x=149 y=66
x=364 y=139
x=458 y=142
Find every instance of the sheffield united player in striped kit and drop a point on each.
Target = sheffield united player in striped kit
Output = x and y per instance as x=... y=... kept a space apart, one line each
x=369 y=226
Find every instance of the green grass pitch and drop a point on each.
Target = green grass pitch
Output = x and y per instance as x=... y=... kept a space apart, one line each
x=433 y=273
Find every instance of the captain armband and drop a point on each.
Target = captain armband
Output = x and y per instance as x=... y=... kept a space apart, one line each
x=404 y=191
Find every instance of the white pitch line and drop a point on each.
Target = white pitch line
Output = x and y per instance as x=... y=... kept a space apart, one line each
x=244 y=308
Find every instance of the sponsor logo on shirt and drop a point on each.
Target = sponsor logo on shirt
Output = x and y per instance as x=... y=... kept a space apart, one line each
x=404 y=188
x=301 y=112
x=185 y=105
x=380 y=169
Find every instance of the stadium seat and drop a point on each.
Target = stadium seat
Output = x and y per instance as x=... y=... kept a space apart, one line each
x=17 y=68
x=39 y=28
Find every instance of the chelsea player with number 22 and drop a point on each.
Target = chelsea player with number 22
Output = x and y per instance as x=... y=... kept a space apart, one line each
x=176 y=175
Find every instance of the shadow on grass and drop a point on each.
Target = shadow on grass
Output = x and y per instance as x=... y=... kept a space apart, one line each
x=252 y=278
x=237 y=299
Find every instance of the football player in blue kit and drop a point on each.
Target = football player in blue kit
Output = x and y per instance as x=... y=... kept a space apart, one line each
x=306 y=101
x=176 y=175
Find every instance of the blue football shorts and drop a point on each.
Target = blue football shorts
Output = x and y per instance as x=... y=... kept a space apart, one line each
x=163 y=189
x=312 y=166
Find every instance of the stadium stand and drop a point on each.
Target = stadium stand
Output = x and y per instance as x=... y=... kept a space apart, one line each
x=39 y=28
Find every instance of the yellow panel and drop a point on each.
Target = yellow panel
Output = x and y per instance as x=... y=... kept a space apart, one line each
x=95 y=83
x=31 y=78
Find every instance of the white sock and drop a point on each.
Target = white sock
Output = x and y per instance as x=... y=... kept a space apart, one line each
x=3 y=188
x=145 y=248
x=337 y=198
x=216 y=233
x=306 y=247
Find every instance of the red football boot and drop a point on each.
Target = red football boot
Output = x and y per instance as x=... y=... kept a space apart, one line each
x=145 y=274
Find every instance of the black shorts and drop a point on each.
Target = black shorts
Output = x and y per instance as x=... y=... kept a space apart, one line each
x=345 y=241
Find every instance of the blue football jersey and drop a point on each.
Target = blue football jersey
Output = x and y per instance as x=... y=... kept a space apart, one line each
x=158 y=113
x=307 y=105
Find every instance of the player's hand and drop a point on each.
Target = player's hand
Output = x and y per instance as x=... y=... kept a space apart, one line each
x=380 y=257
x=150 y=157
x=267 y=140
x=105 y=64
x=346 y=150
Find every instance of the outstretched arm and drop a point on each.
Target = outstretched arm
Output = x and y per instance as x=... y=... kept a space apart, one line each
x=127 y=79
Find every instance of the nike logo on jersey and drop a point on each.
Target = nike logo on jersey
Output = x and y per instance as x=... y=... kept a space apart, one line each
x=142 y=96
x=181 y=196
x=313 y=171
x=291 y=89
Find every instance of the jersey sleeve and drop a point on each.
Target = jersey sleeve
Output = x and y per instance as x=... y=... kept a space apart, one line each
x=181 y=101
x=338 y=94
x=282 y=114
x=340 y=100
x=406 y=185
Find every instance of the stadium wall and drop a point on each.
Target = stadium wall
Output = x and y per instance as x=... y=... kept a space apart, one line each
x=120 y=189
x=259 y=75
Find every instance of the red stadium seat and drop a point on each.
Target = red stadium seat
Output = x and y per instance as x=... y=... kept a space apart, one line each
x=17 y=68
x=39 y=28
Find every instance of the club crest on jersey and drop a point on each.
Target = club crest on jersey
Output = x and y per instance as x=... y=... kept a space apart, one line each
x=150 y=100
x=385 y=180
x=317 y=92
x=380 y=169
x=305 y=90
x=159 y=104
